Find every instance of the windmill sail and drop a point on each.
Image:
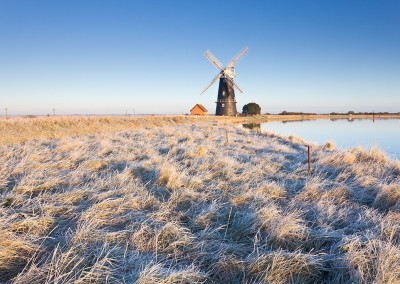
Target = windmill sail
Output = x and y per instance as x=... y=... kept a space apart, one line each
x=212 y=82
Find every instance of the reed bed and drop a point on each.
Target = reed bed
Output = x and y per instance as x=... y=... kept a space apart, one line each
x=169 y=201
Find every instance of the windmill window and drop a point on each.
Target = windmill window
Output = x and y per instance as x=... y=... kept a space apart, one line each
x=223 y=93
x=223 y=105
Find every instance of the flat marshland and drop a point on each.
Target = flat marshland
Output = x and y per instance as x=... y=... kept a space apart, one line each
x=168 y=200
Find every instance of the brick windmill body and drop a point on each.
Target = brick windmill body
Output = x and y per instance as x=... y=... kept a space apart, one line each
x=226 y=102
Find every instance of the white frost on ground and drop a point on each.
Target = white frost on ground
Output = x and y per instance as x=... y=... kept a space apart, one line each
x=176 y=204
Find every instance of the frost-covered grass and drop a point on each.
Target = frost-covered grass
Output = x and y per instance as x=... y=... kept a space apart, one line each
x=174 y=203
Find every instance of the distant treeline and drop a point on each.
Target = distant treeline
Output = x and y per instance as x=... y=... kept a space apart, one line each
x=295 y=113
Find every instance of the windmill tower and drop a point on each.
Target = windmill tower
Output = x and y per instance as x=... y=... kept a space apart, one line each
x=226 y=102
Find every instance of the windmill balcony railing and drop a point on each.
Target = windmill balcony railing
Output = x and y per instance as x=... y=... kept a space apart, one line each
x=226 y=101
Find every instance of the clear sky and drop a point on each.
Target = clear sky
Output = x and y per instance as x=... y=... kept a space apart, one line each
x=106 y=57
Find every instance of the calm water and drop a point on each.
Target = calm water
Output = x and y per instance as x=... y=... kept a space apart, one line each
x=383 y=133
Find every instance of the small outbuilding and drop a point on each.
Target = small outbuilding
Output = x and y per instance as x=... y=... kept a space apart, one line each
x=198 y=109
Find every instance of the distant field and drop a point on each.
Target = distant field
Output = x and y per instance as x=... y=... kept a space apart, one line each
x=21 y=129
x=168 y=200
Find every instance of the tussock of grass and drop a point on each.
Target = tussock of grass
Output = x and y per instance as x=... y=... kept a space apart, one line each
x=109 y=212
x=295 y=139
x=15 y=253
x=166 y=200
x=284 y=267
x=202 y=151
x=374 y=261
x=72 y=197
x=34 y=226
x=388 y=197
x=390 y=228
x=173 y=239
x=209 y=215
x=144 y=202
x=96 y=165
x=37 y=186
x=329 y=145
x=318 y=189
x=360 y=155
x=158 y=274
x=373 y=154
x=273 y=190
x=170 y=176
x=184 y=199
x=283 y=229
x=144 y=239
x=229 y=270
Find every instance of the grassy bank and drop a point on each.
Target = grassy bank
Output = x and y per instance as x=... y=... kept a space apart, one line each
x=21 y=129
x=166 y=200
x=16 y=130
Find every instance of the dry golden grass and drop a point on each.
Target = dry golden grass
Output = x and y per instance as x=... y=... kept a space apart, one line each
x=202 y=151
x=375 y=261
x=170 y=176
x=144 y=239
x=158 y=274
x=283 y=229
x=329 y=145
x=166 y=200
x=14 y=254
x=281 y=267
x=72 y=197
x=22 y=129
x=388 y=197
x=17 y=130
x=273 y=190
x=33 y=226
x=96 y=165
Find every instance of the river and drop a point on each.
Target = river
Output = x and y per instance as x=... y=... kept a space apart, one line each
x=382 y=133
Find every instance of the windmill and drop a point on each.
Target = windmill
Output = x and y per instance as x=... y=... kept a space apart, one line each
x=226 y=103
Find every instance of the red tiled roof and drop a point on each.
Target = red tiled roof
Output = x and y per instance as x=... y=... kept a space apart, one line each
x=201 y=107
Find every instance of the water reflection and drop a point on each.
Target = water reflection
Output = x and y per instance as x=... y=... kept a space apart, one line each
x=290 y=121
x=381 y=132
x=345 y=119
x=253 y=126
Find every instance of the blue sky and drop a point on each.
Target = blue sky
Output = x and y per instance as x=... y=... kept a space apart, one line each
x=106 y=57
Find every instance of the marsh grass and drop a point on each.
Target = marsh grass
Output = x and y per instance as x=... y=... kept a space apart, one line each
x=329 y=145
x=166 y=200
